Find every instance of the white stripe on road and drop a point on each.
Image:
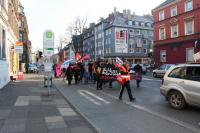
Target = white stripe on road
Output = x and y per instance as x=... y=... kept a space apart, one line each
x=150 y=79
x=92 y=97
x=89 y=98
x=97 y=97
x=175 y=121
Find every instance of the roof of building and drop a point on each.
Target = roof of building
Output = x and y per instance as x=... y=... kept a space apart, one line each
x=165 y=3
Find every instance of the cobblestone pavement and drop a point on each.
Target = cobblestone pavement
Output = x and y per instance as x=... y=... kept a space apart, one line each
x=25 y=107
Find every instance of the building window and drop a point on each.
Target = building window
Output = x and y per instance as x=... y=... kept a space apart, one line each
x=137 y=32
x=138 y=50
x=162 y=33
x=189 y=27
x=131 y=50
x=161 y=15
x=148 y=24
x=189 y=54
x=4 y=44
x=174 y=31
x=142 y=24
x=99 y=35
x=136 y=23
x=150 y=33
x=163 y=56
x=145 y=51
x=130 y=23
x=173 y=11
x=109 y=41
x=106 y=41
x=145 y=42
x=188 y=5
x=21 y=37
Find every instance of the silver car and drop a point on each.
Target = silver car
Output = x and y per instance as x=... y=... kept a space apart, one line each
x=160 y=72
x=181 y=85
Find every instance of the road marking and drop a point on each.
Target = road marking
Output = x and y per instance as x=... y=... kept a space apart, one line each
x=150 y=79
x=95 y=96
x=139 y=107
x=89 y=98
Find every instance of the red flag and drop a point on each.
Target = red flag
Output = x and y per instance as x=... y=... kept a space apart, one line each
x=77 y=56
x=85 y=57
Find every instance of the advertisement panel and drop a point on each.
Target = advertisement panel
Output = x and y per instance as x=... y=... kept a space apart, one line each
x=19 y=47
x=48 y=43
x=121 y=43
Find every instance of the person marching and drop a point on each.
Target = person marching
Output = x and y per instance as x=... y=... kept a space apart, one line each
x=69 y=73
x=99 y=71
x=124 y=72
x=139 y=71
x=76 y=72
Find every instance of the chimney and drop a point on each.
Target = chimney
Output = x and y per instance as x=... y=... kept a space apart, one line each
x=129 y=14
x=92 y=24
x=124 y=14
x=101 y=18
x=133 y=13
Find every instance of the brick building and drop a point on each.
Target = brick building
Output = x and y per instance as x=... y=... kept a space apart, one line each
x=176 y=31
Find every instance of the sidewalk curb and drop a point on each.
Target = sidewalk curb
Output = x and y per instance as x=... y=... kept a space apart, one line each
x=78 y=111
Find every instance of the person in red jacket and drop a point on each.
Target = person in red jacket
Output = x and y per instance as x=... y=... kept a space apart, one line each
x=124 y=70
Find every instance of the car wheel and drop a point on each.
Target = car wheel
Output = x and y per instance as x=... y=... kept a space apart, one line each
x=154 y=75
x=176 y=100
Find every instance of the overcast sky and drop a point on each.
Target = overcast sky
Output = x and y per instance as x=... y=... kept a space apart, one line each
x=57 y=15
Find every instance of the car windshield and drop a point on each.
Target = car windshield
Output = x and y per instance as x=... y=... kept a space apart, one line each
x=168 y=66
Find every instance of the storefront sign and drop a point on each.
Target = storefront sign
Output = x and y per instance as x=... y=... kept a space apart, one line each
x=19 y=47
x=121 y=45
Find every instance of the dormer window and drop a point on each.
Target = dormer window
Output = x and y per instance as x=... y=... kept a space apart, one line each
x=130 y=22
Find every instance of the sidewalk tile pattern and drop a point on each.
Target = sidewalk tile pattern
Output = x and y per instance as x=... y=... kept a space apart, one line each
x=25 y=107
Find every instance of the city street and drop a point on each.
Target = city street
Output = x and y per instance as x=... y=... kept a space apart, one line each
x=149 y=113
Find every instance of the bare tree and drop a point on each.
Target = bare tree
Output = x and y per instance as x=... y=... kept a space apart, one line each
x=78 y=25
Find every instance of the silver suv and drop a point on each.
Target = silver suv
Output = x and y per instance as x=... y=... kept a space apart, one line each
x=181 y=85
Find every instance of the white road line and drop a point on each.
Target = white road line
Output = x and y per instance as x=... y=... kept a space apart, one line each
x=95 y=96
x=175 y=121
x=89 y=98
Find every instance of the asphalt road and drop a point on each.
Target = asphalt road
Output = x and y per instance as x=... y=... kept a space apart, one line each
x=150 y=113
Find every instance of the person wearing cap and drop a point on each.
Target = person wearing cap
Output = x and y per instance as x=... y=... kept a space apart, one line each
x=124 y=70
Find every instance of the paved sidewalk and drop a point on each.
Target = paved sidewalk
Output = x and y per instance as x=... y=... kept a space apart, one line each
x=26 y=108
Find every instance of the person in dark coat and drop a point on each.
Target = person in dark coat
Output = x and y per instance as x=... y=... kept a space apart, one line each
x=99 y=70
x=76 y=72
x=69 y=73
x=138 y=70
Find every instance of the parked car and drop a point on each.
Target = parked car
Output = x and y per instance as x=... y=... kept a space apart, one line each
x=181 y=85
x=144 y=68
x=160 y=72
x=32 y=68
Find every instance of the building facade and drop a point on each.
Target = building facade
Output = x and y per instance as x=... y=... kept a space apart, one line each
x=123 y=35
x=89 y=41
x=77 y=42
x=176 y=31
x=25 y=57
x=9 y=60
